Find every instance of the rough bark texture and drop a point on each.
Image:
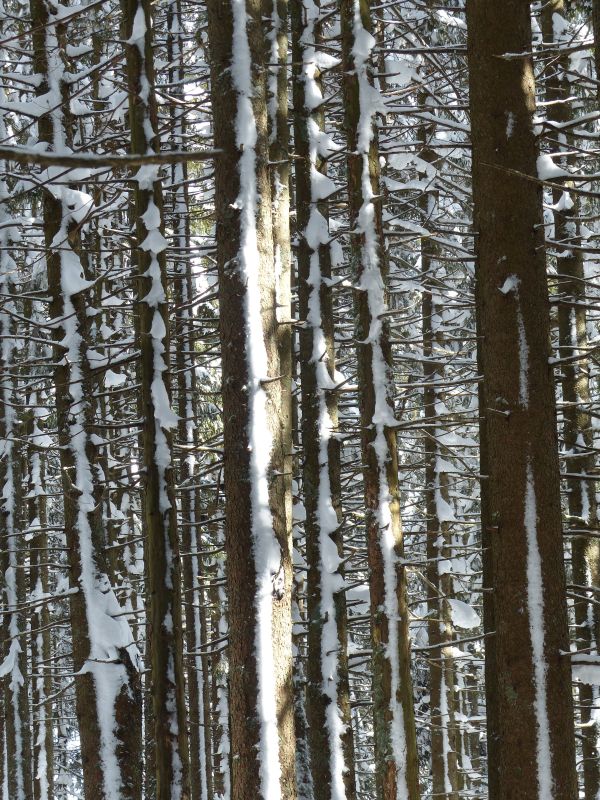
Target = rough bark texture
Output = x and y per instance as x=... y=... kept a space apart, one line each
x=573 y=373
x=313 y=394
x=529 y=688
x=241 y=569
x=165 y=629
x=386 y=764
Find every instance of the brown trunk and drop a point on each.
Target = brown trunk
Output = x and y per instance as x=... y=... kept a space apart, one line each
x=445 y=734
x=257 y=529
x=530 y=685
x=578 y=436
x=75 y=386
x=331 y=754
x=162 y=548
x=396 y=764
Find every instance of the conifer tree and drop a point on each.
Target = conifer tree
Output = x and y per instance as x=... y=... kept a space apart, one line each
x=529 y=687
x=394 y=724
x=257 y=525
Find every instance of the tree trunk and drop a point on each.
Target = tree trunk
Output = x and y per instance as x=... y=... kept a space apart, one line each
x=200 y=740
x=14 y=670
x=445 y=736
x=327 y=699
x=578 y=438
x=530 y=685
x=42 y=733
x=281 y=463
x=255 y=391
x=394 y=725
x=162 y=548
x=106 y=663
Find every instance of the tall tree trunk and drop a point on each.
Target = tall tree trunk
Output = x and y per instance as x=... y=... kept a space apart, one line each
x=578 y=435
x=327 y=699
x=281 y=462
x=445 y=742
x=394 y=724
x=14 y=670
x=530 y=685
x=257 y=528
x=42 y=732
x=104 y=655
x=445 y=737
x=162 y=547
x=200 y=739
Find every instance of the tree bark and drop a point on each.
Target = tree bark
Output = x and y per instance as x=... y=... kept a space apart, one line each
x=394 y=724
x=327 y=696
x=530 y=685
x=578 y=438
x=162 y=547
x=255 y=388
x=105 y=664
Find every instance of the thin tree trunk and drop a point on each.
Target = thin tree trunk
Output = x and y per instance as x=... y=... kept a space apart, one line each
x=327 y=700
x=257 y=529
x=445 y=738
x=105 y=663
x=200 y=744
x=578 y=435
x=445 y=741
x=281 y=464
x=530 y=685
x=394 y=724
x=42 y=733
x=14 y=669
x=162 y=547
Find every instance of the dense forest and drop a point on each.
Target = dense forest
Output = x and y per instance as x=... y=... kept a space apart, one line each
x=299 y=400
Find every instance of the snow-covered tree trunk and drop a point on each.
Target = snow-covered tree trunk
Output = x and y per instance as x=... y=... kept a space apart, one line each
x=281 y=460
x=200 y=738
x=529 y=687
x=165 y=631
x=104 y=655
x=596 y=30
x=41 y=683
x=394 y=724
x=14 y=670
x=220 y=693
x=445 y=740
x=578 y=437
x=327 y=701
x=257 y=528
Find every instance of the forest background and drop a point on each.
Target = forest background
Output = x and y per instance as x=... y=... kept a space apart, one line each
x=299 y=400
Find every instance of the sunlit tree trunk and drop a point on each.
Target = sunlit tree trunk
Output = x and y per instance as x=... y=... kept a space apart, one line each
x=327 y=694
x=165 y=628
x=394 y=725
x=530 y=686
x=255 y=405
